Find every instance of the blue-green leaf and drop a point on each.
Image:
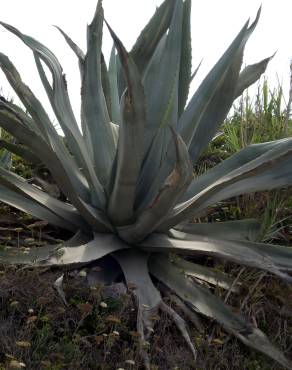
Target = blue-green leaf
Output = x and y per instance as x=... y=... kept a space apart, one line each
x=98 y=132
x=213 y=99
x=185 y=74
x=131 y=141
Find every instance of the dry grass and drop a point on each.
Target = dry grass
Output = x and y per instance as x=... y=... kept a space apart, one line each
x=82 y=335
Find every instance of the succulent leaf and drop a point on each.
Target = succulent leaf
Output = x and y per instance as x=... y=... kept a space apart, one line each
x=269 y=171
x=98 y=133
x=250 y=75
x=114 y=90
x=248 y=229
x=131 y=141
x=149 y=219
x=150 y=36
x=213 y=99
x=207 y=304
x=244 y=252
x=21 y=151
x=185 y=74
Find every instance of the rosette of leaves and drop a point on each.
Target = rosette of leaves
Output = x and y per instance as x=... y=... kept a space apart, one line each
x=127 y=173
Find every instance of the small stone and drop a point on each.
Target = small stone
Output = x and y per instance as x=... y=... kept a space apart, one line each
x=16 y=365
x=40 y=223
x=23 y=344
x=113 y=319
x=46 y=363
x=116 y=333
x=29 y=240
x=18 y=229
x=14 y=303
x=82 y=273
x=30 y=310
x=130 y=362
x=103 y=305
x=9 y=357
x=31 y=319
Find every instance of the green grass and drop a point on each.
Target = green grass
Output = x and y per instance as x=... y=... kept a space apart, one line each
x=256 y=120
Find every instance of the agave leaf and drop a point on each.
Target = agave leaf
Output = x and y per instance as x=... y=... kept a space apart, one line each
x=196 y=70
x=58 y=96
x=162 y=112
x=280 y=255
x=63 y=210
x=185 y=74
x=147 y=296
x=30 y=206
x=114 y=91
x=99 y=133
x=150 y=36
x=157 y=166
x=106 y=85
x=190 y=119
x=228 y=165
x=149 y=218
x=65 y=254
x=131 y=140
x=250 y=75
x=269 y=171
x=214 y=115
x=29 y=138
x=116 y=130
x=162 y=77
x=81 y=58
x=134 y=264
x=100 y=246
x=148 y=190
x=243 y=252
x=164 y=170
x=32 y=140
x=209 y=305
x=82 y=156
x=39 y=115
x=248 y=229
x=21 y=151
x=207 y=274
x=213 y=99
x=17 y=111
x=76 y=49
x=154 y=156
x=21 y=257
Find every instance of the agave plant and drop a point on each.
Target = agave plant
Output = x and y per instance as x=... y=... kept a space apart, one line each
x=127 y=171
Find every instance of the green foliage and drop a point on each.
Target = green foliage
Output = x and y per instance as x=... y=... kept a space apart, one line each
x=256 y=120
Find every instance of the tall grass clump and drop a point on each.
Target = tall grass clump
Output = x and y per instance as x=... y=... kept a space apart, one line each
x=257 y=119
